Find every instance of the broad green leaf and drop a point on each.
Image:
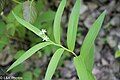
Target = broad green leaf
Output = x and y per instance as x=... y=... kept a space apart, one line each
x=2 y=28
x=29 y=26
x=40 y=5
x=4 y=40
x=91 y=35
x=53 y=64
x=46 y=16
x=72 y=26
x=89 y=59
x=18 y=10
x=57 y=21
x=29 y=53
x=12 y=23
x=11 y=29
x=117 y=54
x=81 y=68
x=27 y=76
x=37 y=72
x=29 y=11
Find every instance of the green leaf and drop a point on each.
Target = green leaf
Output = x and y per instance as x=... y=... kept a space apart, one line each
x=89 y=59
x=81 y=68
x=3 y=41
x=37 y=72
x=53 y=64
x=2 y=28
x=57 y=21
x=11 y=29
x=29 y=53
x=19 y=53
x=18 y=10
x=29 y=26
x=2 y=4
x=18 y=68
x=91 y=36
x=29 y=11
x=47 y=16
x=117 y=54
x=27 y=76
x=40 y=5
x=21 y=31
x=72 y=26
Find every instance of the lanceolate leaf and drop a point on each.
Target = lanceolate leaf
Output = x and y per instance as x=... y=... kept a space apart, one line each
x=29 y=53
x=53 y=64
x=82 y=71
x=57 y=21
x=91 y=35
x=29 y=26
x=89 y=59
x=72 y=25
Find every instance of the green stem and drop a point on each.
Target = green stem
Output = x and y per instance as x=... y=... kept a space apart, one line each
x=64 y=48
x=16 y=1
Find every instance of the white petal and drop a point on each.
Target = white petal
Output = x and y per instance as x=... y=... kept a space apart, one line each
x=44 y=31
x=41 y=33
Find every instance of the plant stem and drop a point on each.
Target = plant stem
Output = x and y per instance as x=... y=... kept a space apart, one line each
x=64 y=48
x=17 y=1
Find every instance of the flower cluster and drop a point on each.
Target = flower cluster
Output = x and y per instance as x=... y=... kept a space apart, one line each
x=45 y=38
x=42 y=32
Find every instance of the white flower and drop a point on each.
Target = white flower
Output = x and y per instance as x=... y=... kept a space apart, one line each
x=45 y=38
x=119 y=46
x=43 y=31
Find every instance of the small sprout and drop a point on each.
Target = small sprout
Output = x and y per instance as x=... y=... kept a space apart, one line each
x=45 y=38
